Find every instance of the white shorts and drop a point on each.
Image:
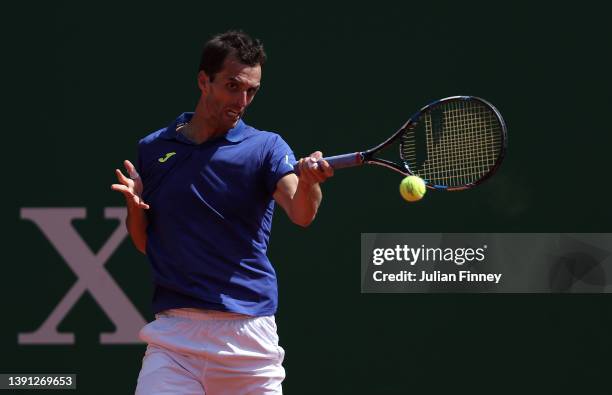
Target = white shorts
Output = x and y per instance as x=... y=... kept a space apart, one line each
x=194 y=351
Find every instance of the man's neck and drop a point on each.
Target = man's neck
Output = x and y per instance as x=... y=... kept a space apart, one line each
x=201 y=128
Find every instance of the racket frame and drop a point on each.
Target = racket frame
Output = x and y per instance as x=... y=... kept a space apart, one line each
x=367 y=157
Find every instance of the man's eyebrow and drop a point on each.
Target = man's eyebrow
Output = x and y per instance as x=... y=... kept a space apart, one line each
x=234 y=79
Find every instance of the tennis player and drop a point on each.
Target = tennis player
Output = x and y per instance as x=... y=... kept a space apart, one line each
x=200 y=204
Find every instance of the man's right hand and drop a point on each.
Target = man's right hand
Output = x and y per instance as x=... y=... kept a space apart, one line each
x=130 y=187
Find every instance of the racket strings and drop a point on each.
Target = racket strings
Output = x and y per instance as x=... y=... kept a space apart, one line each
x=462 y=142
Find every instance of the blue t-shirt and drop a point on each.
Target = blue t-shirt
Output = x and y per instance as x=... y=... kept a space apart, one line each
x=210 y=217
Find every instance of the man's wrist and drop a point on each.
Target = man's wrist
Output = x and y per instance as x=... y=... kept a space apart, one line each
x=303 y=183
x=132 y=205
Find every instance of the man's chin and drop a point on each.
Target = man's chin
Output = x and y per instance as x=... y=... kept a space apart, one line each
x=233 y=122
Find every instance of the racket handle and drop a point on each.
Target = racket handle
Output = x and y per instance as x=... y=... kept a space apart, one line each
x=341 y=161
x=346 y=160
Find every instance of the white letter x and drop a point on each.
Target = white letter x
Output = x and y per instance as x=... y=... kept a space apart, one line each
x=55 y=224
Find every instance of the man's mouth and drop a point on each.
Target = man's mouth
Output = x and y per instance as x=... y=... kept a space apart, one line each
x=233 y=113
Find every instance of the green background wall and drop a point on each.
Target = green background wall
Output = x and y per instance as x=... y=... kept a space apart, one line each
x=83 y=81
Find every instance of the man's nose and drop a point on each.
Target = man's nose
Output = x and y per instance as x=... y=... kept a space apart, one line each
x=243 y=99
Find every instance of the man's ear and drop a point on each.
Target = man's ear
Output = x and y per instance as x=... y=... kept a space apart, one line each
x=203 y=81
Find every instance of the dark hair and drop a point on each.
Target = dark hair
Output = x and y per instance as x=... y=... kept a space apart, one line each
x=247 y=50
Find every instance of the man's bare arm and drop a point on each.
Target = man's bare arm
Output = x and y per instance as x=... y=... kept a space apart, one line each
x=301 y=196
x=136 y=220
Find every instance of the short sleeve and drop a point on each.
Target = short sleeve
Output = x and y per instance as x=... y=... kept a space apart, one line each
x=279 y=161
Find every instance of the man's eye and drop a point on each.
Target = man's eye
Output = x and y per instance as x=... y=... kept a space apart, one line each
x=232 y=85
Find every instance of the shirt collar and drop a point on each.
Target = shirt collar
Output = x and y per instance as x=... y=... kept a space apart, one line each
x=234 y=135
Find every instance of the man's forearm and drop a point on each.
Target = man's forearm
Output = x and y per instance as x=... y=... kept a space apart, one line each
x=305 y=203
x=136 y=223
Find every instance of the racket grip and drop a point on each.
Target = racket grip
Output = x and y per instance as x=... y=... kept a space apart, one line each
x=340 y=161
x=346 y=160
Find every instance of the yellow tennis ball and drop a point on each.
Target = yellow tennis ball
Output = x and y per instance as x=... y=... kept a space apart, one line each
x=412 y=188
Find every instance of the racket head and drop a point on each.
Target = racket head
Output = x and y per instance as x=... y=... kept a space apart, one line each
x=452 y=144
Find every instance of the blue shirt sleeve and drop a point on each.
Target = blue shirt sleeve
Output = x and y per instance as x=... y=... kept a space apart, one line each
x=279 y=162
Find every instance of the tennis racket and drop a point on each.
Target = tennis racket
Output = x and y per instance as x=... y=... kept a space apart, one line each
x=452 y=144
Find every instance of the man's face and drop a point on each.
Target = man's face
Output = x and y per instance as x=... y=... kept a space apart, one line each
x=230 y=93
